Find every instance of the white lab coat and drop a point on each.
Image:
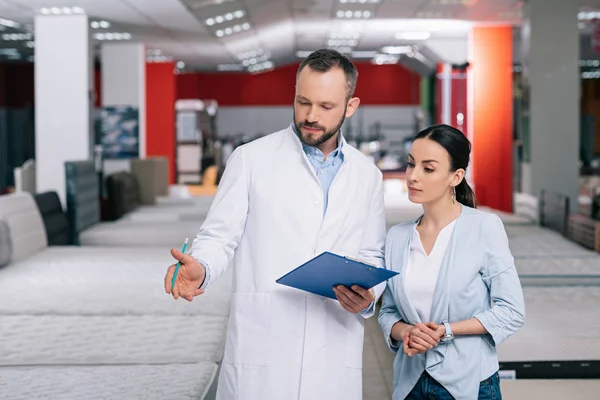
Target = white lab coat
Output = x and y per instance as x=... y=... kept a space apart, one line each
x=283 y=343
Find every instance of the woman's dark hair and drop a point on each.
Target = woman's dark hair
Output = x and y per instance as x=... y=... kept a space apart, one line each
x=459 y=148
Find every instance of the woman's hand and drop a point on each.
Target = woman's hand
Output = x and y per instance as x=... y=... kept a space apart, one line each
x=422 y=337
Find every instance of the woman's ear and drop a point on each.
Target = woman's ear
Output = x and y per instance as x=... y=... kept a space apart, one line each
x=458 y=176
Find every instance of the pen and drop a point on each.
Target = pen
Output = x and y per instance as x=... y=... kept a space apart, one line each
x=178 y=265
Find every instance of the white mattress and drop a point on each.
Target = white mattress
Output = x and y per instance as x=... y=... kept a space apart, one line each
x=140 y=233
x=508 y=218
x=561 y=324
x=539 y=242
x=123 y=382
x=102 y=281
x=110 y=340
x=562 y=271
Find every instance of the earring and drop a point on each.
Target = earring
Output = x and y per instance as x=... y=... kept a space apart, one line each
x=453 y=194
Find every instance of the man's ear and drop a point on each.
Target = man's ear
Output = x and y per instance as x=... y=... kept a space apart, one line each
x=353 y=104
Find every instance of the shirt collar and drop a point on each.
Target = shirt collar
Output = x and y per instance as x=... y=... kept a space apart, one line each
x=311 y=150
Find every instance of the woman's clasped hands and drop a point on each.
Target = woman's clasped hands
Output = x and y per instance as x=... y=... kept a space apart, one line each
x=422 y=337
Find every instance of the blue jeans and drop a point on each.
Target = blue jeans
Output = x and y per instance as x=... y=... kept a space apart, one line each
x=428 y=388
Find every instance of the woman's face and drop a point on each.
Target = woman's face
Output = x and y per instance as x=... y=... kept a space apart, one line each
x=428 y=175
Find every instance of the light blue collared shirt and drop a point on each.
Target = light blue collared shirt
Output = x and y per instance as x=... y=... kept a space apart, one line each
x=325 y=168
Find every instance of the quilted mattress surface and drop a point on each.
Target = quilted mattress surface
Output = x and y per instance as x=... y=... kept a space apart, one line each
x=119 y=382
x=98 y=340
x=102 y=281
x=561 y=325
x=140 y=233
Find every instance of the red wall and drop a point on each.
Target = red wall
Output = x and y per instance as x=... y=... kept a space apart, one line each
x=377 y=85
x=492 y=116
x=160 y=112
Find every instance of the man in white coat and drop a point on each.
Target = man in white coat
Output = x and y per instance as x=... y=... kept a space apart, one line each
x=284 y=199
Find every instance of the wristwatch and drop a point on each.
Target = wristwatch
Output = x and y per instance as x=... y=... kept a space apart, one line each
x=448 y=336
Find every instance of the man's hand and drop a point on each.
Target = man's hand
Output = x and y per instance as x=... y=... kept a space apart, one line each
x=189 y=278
x=354 y=300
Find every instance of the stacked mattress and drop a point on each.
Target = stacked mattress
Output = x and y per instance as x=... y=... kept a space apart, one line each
x=95 y=322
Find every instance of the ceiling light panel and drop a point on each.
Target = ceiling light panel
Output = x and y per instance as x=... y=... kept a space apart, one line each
x=112 y=36
x=356 y=9
x=225 y=18
x=100 y=24
x=9 y=23
x=62 y=11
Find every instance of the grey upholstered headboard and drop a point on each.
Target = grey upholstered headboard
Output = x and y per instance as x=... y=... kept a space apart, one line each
x=83 y=196
x=27 y=232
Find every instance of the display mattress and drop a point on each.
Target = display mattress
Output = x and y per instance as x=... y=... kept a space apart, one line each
x=559 y=271
x=560 y=325
x=104 y=340
x=508 y=218
x=140 y=233
x=102 y=281
x=118 y=382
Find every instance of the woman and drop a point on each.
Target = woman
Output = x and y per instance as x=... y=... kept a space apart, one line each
x=452 y=262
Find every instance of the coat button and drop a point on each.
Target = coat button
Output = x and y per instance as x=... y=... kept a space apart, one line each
x=316 y=203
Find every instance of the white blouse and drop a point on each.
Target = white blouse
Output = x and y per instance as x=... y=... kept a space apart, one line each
x=422 y=271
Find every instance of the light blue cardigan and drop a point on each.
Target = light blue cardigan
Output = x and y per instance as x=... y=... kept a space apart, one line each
x=478 y=268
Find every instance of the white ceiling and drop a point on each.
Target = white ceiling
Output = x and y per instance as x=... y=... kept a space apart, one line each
x=281 y=28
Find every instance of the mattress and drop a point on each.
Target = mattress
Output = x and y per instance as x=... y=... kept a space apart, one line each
x=140 y=233
x=547 y=271
x=119 y=382
x=560 y=326
x=167 y=214
x=111 y=340
x=508 y=218
x=102 y=281
x=538 y=242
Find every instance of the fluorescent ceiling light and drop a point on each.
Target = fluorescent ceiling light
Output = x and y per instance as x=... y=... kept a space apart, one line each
x=342 y=42
x=62 y=10
x=9 y=23
x=100 y=24
x=414 y=35
x=113 y=36
x=358 y=14
x=382 y=59
x=17 y=36
x=363 y=54
x=267 y=65
x=233 y=29
x=359 y=1
x=396 y=49
x=219 y=19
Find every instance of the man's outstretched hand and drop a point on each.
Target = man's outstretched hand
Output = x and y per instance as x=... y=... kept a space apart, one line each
x=354 y=300
x=189 y=278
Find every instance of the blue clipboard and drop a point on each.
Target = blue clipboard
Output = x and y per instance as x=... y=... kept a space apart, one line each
x=327 y=270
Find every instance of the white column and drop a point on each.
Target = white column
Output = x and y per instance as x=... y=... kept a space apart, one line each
x=63 y=97
x=551 y=66
x=124 y=81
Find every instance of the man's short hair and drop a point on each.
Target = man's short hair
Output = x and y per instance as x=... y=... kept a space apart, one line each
x=325 y=59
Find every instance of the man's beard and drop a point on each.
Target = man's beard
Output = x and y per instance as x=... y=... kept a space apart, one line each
x=316 y=140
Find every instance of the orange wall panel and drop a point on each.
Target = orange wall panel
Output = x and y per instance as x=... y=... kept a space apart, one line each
x=492 y=115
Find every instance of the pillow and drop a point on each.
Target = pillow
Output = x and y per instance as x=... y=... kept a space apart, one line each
x=5 y=244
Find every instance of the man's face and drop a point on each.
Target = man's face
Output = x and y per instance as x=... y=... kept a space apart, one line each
x=321 y=105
